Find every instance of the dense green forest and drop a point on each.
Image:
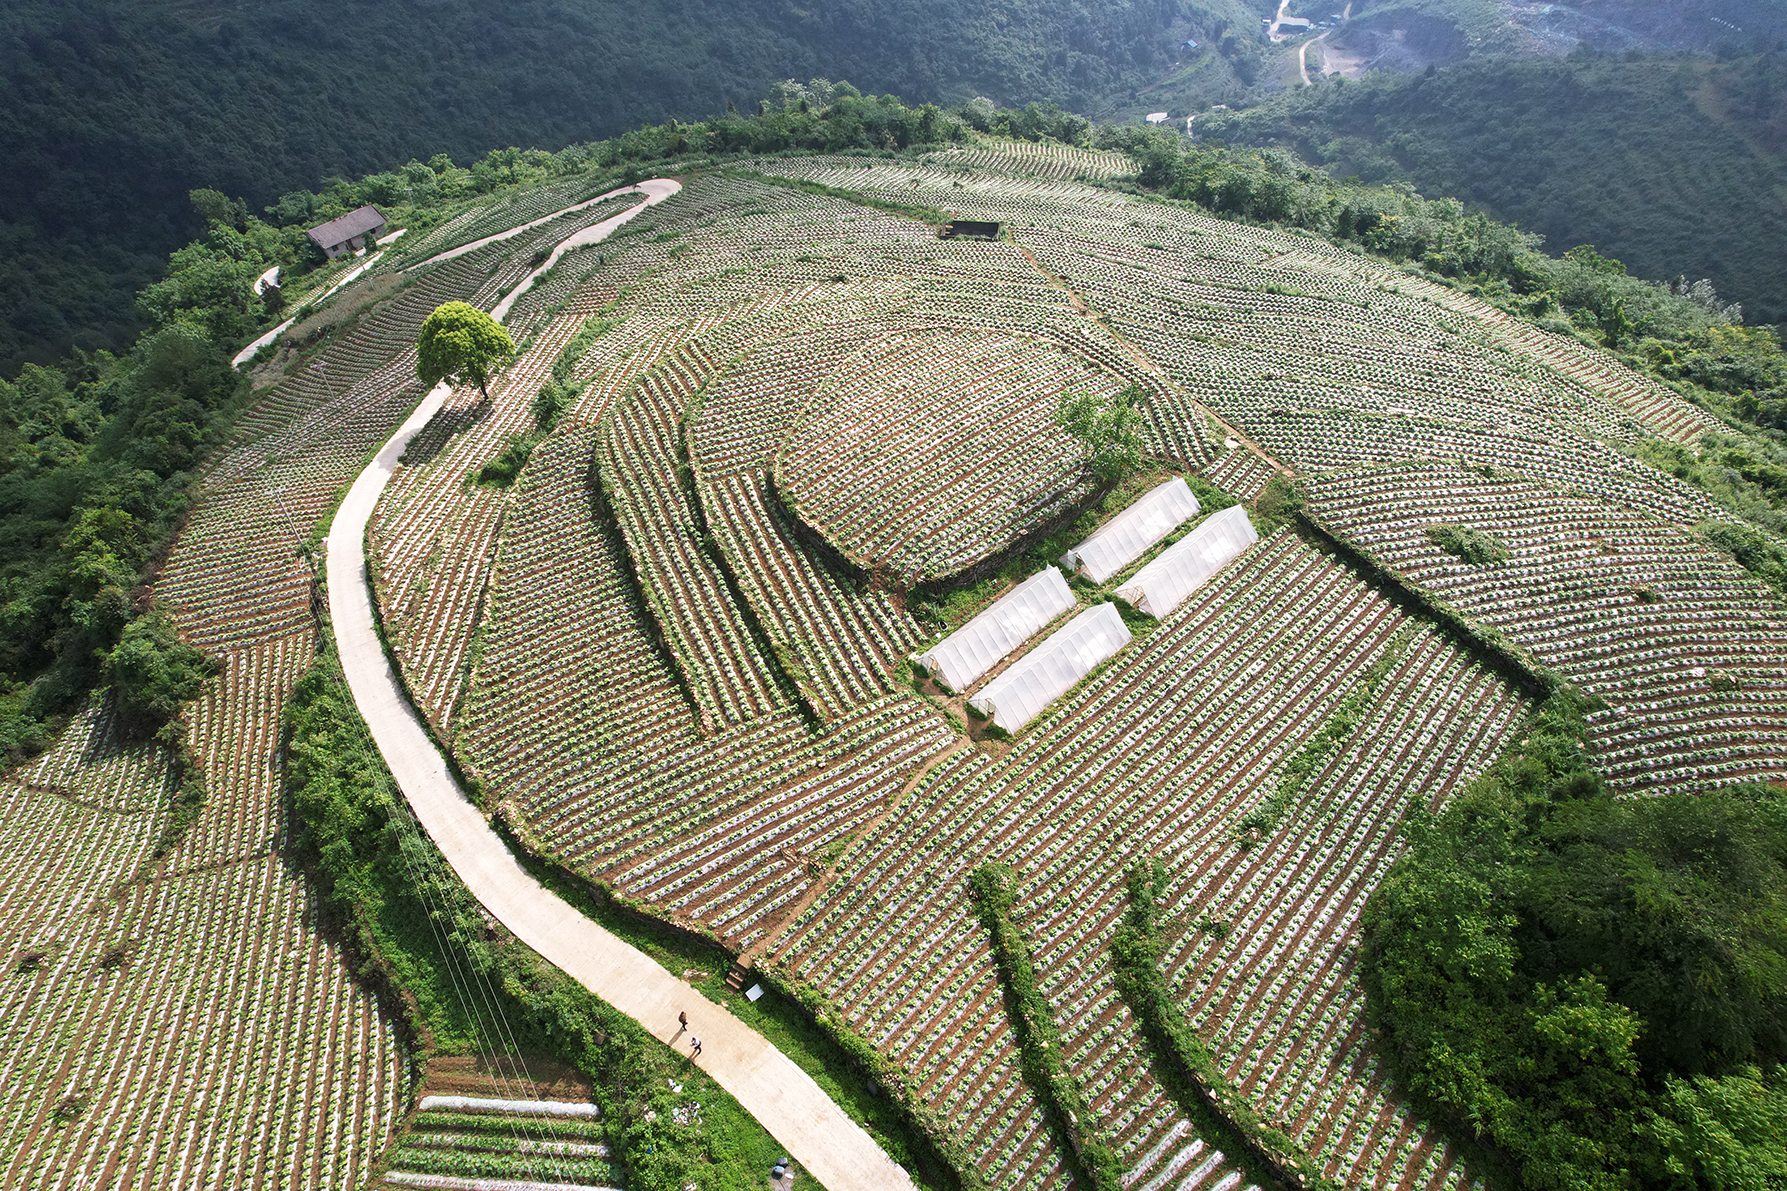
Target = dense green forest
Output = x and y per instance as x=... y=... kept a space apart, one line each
x=1594 y=990
x=1676 y=164
x=116 y=110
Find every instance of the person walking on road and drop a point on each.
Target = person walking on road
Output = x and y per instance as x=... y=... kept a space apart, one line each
x=682 y=1020
x=694 y=1046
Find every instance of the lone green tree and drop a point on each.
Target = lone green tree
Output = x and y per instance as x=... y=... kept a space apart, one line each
x=1109 y=428
x=459 y=342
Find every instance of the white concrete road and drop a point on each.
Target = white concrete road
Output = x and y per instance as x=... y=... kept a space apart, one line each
x=816 y=1132
x=246 y=354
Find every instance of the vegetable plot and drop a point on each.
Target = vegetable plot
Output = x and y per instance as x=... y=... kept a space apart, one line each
x=1683 y=645
x=937 y=451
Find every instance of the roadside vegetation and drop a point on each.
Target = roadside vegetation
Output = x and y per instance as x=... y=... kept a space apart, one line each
x=463 y=985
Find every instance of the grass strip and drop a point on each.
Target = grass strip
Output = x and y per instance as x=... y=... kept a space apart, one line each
x=1076 y=1126
x=1181 y=1062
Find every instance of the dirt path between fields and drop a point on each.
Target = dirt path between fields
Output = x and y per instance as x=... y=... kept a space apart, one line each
x=783 y=1098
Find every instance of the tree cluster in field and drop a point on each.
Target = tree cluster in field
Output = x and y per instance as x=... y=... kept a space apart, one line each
x=1467 y=543
x=1108 y=427
x=415 y=933
x=1592 y=991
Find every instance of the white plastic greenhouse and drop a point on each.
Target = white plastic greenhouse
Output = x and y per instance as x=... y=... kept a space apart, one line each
x=1013 y=619
x=1183 y=567
x=1047 y=672
x=1125 y=537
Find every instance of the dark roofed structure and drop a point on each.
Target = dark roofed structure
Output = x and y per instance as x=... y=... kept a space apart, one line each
x=349 y=232
x=971 y=229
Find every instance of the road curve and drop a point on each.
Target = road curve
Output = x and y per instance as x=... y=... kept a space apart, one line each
x=817 y=1134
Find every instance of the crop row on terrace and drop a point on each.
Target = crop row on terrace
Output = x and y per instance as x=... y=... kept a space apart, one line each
x=513 y=211
x=730 y=309
x=938 y=450
x=434 y=538
x=1682 y=645
x=1038 y=159
x=602 y=808
x=1648 y=404
x=91 y=767
x=190 y=1031
x=1116 y=771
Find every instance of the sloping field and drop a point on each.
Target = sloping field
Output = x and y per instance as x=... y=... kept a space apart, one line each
x=688 y=685
x=186 y=1022
x=954 y=435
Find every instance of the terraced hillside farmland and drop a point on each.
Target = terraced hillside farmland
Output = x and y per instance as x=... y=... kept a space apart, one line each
x=175 y=1014
x=806 y=410
x=665 y=620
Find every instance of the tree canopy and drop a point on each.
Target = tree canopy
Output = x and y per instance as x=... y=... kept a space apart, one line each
x=153 y=672
x=1594 y=990
x=459 y=342
x=1108 y=427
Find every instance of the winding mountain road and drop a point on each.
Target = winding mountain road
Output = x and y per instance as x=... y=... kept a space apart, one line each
x=784 y=1098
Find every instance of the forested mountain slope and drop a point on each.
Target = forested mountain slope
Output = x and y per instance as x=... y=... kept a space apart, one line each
x=1675 y=164
x=1665 y=151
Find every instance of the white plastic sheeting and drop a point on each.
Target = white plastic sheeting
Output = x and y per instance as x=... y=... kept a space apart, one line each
x=1183 y=567
x=1125 y=537
x=532 y=1108
x=1047 y=672
x=1015 y=617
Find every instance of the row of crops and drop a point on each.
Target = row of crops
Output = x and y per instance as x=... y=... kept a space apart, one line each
x=1682 y=644
x=629 y=714
x=461 y=1141
x=1273 y=646
x=936 y=426
x=434 y=539
x=512 y=211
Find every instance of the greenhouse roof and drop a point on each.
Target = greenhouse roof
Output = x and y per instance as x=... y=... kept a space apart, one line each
x=1125 y=537
x=1049 y=671
x=1015 y=617
x=1183 y=567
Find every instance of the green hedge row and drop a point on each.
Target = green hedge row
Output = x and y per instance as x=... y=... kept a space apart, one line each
x=1182 y=1063
x=1095 y=1163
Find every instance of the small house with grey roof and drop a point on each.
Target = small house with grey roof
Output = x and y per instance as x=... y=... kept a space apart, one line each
x=348 y=233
